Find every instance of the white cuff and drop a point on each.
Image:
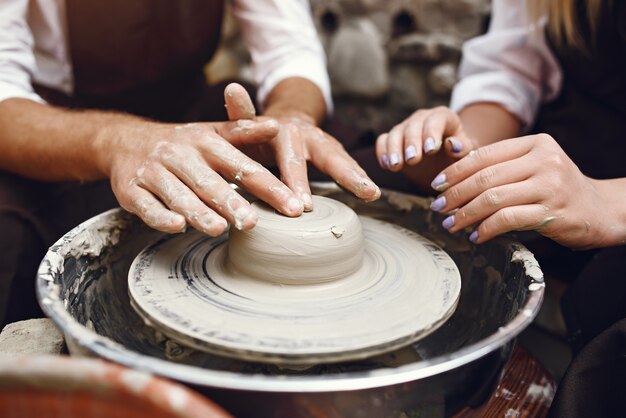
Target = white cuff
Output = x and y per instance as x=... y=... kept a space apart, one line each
x=306 y=66
x=9 y=91
x=516 y=95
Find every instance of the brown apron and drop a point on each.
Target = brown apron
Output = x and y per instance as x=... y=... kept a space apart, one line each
x=139 y=56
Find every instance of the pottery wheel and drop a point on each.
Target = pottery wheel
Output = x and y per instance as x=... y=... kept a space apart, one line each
x=392 y=287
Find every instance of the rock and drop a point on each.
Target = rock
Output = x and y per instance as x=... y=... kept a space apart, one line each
x=223 y=66
x=441 y=79
x=459 y=18
x=33 y=336
x=357 y=62
x=409 y=87
x=425 y=48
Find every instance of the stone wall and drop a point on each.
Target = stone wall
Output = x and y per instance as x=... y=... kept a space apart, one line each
x=386 y=58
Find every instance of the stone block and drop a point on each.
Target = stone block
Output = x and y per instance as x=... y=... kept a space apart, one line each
x=32 y=336
x=357 y=61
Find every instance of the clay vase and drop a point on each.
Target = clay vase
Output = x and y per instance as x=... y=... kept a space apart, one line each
x=61 y=386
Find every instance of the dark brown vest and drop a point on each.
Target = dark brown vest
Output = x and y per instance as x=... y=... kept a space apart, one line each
x=142 y=56
x=588 y=119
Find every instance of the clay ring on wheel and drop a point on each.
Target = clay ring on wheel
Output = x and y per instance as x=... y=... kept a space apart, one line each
x=324 y=287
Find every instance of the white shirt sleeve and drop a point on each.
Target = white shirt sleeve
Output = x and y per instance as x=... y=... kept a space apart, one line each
x=511 y=65
x=17 y=60
x=283 y=42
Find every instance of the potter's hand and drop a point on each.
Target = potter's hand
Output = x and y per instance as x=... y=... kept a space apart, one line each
x=526 y=183
x=419 y=139
x=173 y=175
x=298 y=141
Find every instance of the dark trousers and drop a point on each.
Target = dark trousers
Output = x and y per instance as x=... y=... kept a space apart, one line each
x=33 y=215
x=594 y=308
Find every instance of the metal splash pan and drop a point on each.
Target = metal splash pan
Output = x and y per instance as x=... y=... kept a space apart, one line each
x=82 y=286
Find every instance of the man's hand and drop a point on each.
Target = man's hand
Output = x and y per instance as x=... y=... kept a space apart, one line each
x=173 y=175
x=298 y=141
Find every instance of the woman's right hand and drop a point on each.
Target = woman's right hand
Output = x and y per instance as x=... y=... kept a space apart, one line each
x=420 y=137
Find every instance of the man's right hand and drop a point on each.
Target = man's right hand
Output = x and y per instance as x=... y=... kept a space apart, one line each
x=174 y=175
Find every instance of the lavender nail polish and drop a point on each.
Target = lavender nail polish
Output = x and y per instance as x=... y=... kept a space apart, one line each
x=429 y=145
x=395 y=159
x=410 y=152
x=439 y=181
x=448 y=222
x=438 y=203
x=385 y=160
x=456 y=144
x=473 y=236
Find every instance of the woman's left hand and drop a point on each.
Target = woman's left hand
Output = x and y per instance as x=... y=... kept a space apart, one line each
x=525 y=183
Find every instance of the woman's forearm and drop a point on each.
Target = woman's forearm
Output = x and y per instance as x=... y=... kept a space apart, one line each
x=486 y=123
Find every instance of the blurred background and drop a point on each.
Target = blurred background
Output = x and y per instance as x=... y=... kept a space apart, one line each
x=386 y=58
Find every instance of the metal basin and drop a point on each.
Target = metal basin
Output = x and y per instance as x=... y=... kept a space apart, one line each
x=82 y=286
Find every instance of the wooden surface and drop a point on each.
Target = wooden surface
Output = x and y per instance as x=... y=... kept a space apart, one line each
x=525 y=391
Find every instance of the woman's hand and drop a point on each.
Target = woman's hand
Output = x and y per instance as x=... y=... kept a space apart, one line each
x=421 y=135
x=526 y=183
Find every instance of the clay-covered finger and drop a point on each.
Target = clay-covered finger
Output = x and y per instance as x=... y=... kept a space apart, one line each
x=238 y=102
x=292 y=162
x=248 y=132
x=154 y=214
x=213 y=190
x=413 y=141
x=517 y=218
x=235 y=166
x=395 y=148
x=381 y=151
x=344 y=170
x=175 y=195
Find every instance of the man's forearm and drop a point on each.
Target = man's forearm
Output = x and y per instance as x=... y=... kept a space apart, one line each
x=486 y=123
x=49 y=143
x=296 y=97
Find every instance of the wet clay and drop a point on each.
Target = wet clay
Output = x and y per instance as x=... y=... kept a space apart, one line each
x=319 y=246
x=328 y=286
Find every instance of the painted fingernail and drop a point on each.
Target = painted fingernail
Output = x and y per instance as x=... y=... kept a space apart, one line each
x=473 y=236
x=439 y=183
x=429 y=145
x=410 y=152
x=295 y=205
x=455 y=144
x=448 y=222
x=384 y=159
x=438 y=204
x=394 y=159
